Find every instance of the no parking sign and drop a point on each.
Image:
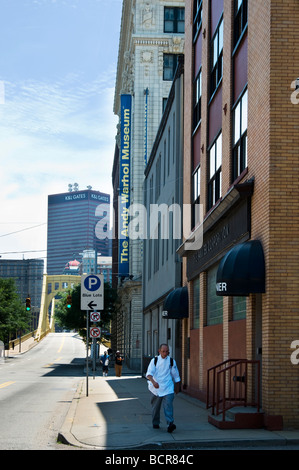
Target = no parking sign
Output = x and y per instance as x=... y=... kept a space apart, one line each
x=95 y=316
x=95 y=332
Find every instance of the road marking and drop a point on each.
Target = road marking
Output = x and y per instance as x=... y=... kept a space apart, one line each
x=59 y=350
x=51 y=363
x=6 y=384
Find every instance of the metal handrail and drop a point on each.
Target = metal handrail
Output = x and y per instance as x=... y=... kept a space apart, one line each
x=238 y=393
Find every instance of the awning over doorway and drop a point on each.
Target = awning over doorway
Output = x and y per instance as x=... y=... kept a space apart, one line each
x=242 y=270
x=176 y=304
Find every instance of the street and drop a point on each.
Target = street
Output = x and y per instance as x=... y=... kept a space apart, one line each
x=36 y=389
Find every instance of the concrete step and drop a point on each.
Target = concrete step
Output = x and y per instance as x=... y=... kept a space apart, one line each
x=239 y=417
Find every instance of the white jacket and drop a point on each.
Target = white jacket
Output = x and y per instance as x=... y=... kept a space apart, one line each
x=164 y=375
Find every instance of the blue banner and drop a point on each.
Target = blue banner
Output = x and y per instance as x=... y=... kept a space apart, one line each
x=124 y=185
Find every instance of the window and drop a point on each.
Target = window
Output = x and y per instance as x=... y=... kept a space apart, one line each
x=217 y=58
x=158 y=177
x=174 y=20
x=239 y=308
x=157 y=249
x=149 y=273
x=164 y=103
x=169 y=66
x=240 y=19
x=215 y=162
x=196 y=196
x=197 y=21
x=151 y=189
x=195 y=316
x=240 y=119
x=197 y=92
x=214 y=302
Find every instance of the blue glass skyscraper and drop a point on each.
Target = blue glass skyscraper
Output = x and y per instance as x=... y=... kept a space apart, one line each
x=77 y=221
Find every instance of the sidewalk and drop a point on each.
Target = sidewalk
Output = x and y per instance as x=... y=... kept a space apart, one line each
x=116 y=415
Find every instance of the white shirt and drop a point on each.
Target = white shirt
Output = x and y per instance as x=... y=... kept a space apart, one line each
x=164 y=375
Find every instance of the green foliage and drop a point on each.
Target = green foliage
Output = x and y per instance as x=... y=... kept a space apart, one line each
x=13 y=314
x=75 y=318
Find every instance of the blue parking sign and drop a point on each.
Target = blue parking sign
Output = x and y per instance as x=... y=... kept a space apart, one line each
x=92 y=283
x=92 y=292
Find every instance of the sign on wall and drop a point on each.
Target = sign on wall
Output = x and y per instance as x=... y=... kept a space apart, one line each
x=124 y=184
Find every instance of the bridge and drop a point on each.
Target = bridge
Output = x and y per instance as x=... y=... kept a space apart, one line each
x=52 y=285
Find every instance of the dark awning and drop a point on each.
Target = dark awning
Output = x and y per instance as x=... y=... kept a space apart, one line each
x=242 y=270
x=176 y=304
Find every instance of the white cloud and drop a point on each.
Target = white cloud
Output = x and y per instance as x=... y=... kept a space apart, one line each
x=51 y=134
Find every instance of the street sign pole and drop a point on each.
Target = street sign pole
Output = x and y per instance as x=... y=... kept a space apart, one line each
x=94 y=341
x=87 y=340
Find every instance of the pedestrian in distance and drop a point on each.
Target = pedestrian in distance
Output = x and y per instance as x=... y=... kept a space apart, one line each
x=105 y=363
x=118 y=364
x=163 y=382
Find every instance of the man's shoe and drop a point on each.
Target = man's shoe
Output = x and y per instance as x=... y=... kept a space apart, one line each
x=171 y=427
x=156 y=426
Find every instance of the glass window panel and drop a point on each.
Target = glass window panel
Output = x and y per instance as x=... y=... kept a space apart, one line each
x=244 y=113
x=200 y=89
x=219 y=152
x=168 y=26
x=195 y=186
x=169 y=13
x=215 y=50
x=239 y=308
x=181 y=14
x=245 y=152
x=212 y=161
x=214 y=302
x=196 y=294
x=220 y=34
x=181 y=26
x=237 y=123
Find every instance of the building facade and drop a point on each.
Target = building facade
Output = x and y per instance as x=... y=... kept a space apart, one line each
x=77 y=221
x=151 y=39
x=241 y=164
x=28 y=277
x=163 y=203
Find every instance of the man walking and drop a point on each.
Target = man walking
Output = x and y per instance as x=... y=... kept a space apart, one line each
x=163 y=381
x=105 y=363
x=118 y=364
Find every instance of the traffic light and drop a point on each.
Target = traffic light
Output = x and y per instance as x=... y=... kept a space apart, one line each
x=28 y=304
x=69 y=301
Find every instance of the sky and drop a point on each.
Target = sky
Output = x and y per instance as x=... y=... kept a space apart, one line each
x=58 y=61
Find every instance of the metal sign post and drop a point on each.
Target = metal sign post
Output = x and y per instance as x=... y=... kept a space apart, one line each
x=94 y=334
x=92 y=297
x=87 y=340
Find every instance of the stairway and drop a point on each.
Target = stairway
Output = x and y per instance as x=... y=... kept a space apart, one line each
x=240 y=417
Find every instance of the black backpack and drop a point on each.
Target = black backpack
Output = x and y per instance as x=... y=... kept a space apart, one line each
x=156 y=359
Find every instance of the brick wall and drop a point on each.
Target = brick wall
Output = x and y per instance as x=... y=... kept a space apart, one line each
x=273 y=161
x=273 y=144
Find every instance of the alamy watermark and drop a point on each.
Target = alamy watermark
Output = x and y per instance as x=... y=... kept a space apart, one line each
x=162 y=222
x=295 y=94
x=295 y=354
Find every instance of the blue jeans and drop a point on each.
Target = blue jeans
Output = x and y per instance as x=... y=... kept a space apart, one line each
x=156 y=403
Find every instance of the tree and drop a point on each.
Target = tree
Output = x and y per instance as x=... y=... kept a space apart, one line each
x=75 y=318
x=13 y=314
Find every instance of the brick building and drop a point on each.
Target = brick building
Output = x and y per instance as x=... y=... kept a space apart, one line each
x=241 y=164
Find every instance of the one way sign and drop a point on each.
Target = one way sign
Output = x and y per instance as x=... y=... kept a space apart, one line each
x=92 y=292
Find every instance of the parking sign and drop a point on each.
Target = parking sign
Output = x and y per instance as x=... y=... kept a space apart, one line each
x=92 y=292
